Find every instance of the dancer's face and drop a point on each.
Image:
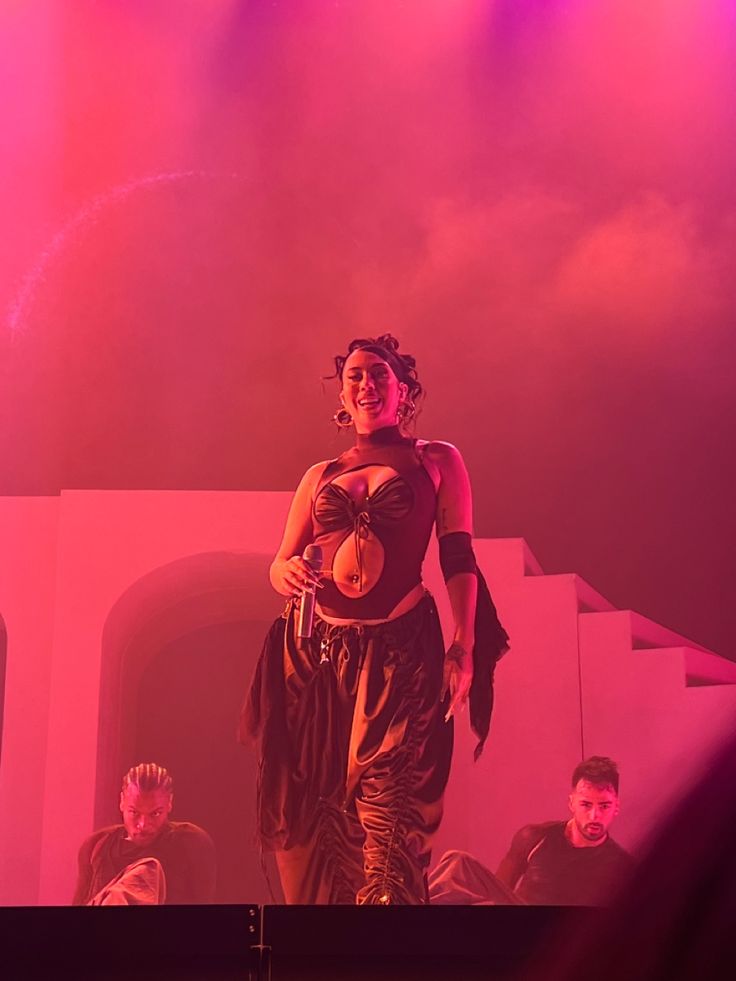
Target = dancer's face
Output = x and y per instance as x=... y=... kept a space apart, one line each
x=145 y=813
x=371 y=392
x=593 y=809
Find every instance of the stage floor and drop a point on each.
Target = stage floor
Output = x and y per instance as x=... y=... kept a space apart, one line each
x=281 y=943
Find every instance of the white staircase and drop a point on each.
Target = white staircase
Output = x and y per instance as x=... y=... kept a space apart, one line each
x=581 y=678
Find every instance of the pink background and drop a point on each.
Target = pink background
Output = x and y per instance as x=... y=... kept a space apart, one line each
x=202 y=202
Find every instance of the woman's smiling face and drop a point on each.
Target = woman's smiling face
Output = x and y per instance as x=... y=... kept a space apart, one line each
x=371 y=392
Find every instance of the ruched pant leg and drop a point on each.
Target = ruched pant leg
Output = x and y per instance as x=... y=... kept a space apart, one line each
x=399 y=795
x=328 y=868
x=370 y=758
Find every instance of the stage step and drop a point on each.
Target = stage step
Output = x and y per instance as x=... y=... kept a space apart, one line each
x=646 y=633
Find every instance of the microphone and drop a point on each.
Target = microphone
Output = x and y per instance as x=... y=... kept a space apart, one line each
x=313 y=557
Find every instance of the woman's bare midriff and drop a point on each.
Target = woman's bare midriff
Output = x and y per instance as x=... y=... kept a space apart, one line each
x=407 y=603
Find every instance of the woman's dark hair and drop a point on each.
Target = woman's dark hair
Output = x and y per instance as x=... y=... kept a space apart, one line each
x=404 y=366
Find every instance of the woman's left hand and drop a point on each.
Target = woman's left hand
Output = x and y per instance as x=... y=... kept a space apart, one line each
x=457 y=677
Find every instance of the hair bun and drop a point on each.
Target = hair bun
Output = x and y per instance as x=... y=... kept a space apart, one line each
x=388 y=341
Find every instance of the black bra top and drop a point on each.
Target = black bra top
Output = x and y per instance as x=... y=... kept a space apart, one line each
x=373 y=547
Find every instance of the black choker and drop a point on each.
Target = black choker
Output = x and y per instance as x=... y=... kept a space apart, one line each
x=389 y=435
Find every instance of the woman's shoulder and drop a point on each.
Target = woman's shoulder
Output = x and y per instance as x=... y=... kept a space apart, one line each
x=318 y=472
x=314 y=472
x=439 y=451
x=444 y=463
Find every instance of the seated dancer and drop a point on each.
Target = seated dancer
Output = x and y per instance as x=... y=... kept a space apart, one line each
x=558 y=863
x=148 y=859
x=673 y=919
x=355 y=724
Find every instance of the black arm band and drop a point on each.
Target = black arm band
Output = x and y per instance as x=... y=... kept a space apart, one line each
x=456 y=554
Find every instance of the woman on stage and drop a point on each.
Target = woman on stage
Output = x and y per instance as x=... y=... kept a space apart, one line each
x=355 y=724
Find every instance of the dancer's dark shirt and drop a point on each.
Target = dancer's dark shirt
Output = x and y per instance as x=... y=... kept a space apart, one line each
x=545 y=869
x=397 y=518
x=185 y=851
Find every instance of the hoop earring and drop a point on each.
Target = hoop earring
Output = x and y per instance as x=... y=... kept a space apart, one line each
x=406 y=410
x=342 y=418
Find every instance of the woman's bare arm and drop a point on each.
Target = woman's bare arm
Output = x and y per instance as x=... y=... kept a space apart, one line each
x=455 y=513
x=289 y=573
